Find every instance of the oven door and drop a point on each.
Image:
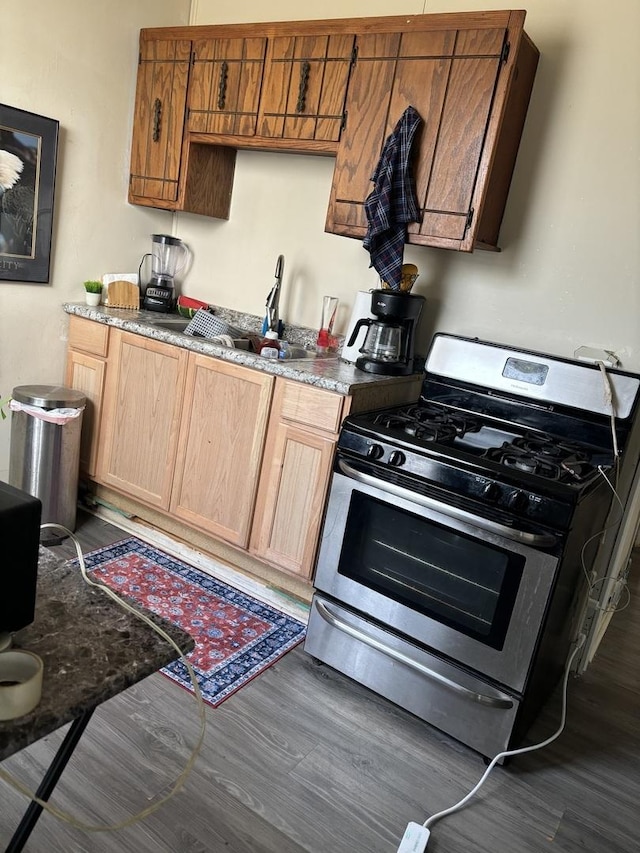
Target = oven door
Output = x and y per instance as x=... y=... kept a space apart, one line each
x=470 y=594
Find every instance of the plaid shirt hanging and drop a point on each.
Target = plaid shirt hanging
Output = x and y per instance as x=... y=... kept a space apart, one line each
x=392 y=203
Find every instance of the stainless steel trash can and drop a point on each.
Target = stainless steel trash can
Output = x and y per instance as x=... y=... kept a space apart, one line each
x=46 y=422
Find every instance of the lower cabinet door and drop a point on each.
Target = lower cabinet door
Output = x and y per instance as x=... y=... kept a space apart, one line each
x=141 y=413
x=85 y=373
x=222 y=436
x=291 y=499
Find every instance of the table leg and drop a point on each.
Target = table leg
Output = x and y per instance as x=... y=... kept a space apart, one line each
x=49 y=781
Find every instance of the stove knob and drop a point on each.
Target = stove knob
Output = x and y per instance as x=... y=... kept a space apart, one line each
x=491 y=492
x=397 y=458
x=375 y=451
x=517 y=501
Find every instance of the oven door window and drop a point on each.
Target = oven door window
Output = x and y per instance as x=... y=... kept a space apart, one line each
x=459 y=580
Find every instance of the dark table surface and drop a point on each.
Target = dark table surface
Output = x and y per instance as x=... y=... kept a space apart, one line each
x=92 y=649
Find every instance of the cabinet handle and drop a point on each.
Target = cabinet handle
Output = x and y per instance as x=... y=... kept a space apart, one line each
x=302 y=89
x=493 y=699
x=157 y=115
x=222 y=85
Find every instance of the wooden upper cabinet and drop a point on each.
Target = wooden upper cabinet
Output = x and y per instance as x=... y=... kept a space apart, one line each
x=338 y=87
x=161 y=95
x=472 y=101
x=305 y=86
x=226 y=80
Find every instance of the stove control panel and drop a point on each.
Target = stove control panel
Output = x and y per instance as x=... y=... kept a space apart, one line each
x=492 y=493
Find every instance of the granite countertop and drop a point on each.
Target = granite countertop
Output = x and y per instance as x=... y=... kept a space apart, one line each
x=331 y=373
x=92 y=649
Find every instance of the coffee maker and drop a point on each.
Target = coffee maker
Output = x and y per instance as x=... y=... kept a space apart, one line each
x=168 y=255
x=389 y=342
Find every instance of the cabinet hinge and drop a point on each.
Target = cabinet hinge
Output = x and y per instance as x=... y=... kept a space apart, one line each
x=140 y=58
x=506 y=47
x=467 y=224
x=192 y=58
x=343 y=123
x=354 y=55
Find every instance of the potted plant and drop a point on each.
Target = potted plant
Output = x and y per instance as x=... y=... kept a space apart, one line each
x=93 y=292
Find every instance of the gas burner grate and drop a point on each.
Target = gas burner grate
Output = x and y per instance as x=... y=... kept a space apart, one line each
x=544 y=456
x=403 y=423
x=545 y=446
x=428 y=423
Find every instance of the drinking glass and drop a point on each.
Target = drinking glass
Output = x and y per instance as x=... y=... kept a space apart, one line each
x=326 y=341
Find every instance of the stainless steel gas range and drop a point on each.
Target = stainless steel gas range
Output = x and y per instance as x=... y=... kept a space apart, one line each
x=458 y=537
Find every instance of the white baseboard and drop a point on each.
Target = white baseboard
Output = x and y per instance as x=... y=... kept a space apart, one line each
x=214 y=567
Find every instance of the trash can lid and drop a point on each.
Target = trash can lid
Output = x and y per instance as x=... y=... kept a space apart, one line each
x=49 y=396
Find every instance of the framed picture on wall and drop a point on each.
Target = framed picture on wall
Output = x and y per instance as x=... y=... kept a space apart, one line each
x=28 y=149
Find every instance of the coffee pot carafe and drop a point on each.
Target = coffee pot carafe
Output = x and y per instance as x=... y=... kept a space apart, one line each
x=383 y=341
x=389 y=343
x=169 y=255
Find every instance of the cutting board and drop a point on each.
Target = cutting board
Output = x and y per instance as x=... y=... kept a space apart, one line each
x=123 y=294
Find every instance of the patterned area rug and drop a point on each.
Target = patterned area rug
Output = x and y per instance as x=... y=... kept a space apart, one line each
x=237 y=637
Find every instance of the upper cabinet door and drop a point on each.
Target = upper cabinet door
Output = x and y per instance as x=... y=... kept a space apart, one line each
x=226 y=80
x=448 y=167
x=451 y=78
x=305 y=87
x=161 y=94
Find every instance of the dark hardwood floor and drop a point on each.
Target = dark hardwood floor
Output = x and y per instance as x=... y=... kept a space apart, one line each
x=302 y=759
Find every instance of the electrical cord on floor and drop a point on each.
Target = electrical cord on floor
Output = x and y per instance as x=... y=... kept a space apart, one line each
x=417 y=835
x=182 y=778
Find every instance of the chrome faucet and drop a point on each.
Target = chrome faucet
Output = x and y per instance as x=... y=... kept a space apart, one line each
x=273 y=299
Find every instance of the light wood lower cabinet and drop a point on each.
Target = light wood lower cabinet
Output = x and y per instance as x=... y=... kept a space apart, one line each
x=224 y=423
x=141 y=417
x=295 y=476
x=85 y=372
x=184 y=433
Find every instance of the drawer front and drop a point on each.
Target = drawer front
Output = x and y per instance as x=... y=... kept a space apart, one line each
x=88 y=336
x=312 y=407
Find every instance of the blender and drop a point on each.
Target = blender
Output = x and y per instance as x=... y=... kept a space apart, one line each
x=169 y=255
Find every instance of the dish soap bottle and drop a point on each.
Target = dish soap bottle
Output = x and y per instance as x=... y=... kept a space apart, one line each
x=269 y=346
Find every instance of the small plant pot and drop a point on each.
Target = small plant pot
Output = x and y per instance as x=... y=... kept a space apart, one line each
x=93 y=298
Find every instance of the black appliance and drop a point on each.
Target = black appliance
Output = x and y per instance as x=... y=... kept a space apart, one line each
x=389 y=344
x=168 y=255
x=20 y=536
x=459 y=534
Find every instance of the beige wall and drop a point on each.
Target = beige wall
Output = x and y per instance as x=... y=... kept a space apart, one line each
x=568 y=274
x=75 y=61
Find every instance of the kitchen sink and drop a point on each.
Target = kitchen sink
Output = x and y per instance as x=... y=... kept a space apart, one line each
x=179 y=324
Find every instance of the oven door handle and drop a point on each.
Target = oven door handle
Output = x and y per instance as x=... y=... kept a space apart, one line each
x=497 y=700
x=540 y=540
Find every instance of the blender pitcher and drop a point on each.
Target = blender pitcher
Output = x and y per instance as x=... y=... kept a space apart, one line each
x=169 y=256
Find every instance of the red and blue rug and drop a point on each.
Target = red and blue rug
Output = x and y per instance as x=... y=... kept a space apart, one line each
x=237 y=637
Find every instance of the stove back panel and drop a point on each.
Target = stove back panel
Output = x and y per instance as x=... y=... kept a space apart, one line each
x=533 y=376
